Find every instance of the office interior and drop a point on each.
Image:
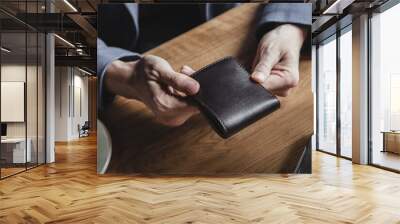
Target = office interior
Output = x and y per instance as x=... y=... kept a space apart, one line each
x=356 y=84
x=356 y=142
x=48 y=95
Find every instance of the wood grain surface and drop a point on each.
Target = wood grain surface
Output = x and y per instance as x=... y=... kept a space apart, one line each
x=271 y=145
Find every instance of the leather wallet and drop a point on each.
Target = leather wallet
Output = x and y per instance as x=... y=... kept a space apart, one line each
x=229 y=99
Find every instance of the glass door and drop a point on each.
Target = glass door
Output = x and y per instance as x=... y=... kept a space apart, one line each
x=385 y=89
x=334 y=94
x=346 y=92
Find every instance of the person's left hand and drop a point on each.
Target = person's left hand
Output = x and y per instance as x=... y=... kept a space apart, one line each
x=276 y=64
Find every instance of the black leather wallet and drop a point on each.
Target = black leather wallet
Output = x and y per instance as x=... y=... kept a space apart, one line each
x=229 y=99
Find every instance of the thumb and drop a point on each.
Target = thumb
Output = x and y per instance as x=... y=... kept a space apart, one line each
x=264 y=66
x=180 y=82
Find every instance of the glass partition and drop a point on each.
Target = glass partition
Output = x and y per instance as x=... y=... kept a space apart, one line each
x=327 y=96
x=346 y=93
x=14 y=144
x=385 y=89
x=22 y=67
x=32 y=97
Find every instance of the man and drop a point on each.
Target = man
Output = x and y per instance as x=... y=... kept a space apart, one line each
x=126 y=30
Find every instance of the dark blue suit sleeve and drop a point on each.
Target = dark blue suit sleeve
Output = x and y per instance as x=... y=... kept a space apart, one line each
x=273 y=14
x=106 y=55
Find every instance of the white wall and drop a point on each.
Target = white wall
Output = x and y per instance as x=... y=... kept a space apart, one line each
x=15 y=73
x=33 y=126
x=12 y=100
x=11 y=73
x=80 y=88
x=70 y=83
x=62 y=81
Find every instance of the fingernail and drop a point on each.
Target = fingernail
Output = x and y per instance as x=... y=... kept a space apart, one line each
x=186 y=69
x=194 y=87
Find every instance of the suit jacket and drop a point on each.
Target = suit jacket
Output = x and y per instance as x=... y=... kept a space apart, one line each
x=119 y=30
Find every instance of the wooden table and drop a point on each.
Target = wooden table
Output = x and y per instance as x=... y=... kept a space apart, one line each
x=391 y=141
x=14 y=150
x=273 y=144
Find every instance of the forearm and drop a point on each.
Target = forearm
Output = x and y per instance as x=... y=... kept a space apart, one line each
x=105 y=56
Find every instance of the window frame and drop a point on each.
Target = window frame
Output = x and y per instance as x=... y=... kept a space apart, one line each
x=333 y=37
x=380 y=9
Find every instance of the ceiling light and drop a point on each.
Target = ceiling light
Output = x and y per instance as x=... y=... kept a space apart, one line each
x=70 y=5
x=5 y=50
x=84 y=71
x=337 y=7
x=80 y=51
x=65 y=41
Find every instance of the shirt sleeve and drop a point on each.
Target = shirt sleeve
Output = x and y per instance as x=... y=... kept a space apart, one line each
x=106 y=55
x=274 y=14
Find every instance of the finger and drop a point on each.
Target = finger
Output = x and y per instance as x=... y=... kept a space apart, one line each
x=177 y=104
x=172 y=90
x=175 y=92
x=180 y=82
x=176 y=120
x=183 y=115
x=177 y=113
x=256 y=59
x=187 y=70
x=283 y=93
x=280 y=82
x=170 y=102
x=264 y=66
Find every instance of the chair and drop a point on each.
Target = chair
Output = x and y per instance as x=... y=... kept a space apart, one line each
x=84 y=130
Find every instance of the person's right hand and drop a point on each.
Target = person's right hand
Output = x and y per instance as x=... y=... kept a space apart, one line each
x=153 y=81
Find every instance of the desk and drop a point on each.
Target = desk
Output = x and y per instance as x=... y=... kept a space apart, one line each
x=13 y=150
x=273 y=144
x=391 y=141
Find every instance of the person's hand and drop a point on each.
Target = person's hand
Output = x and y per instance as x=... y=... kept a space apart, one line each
x=276 y=64
x=153 y=81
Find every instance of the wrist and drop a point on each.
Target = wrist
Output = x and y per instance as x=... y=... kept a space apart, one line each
x=292 y=35
x=119 y=78
x=296 y=31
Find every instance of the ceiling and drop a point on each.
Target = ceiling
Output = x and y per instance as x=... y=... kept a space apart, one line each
x=330 y=15
x=75 y=21
x=76 y=25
